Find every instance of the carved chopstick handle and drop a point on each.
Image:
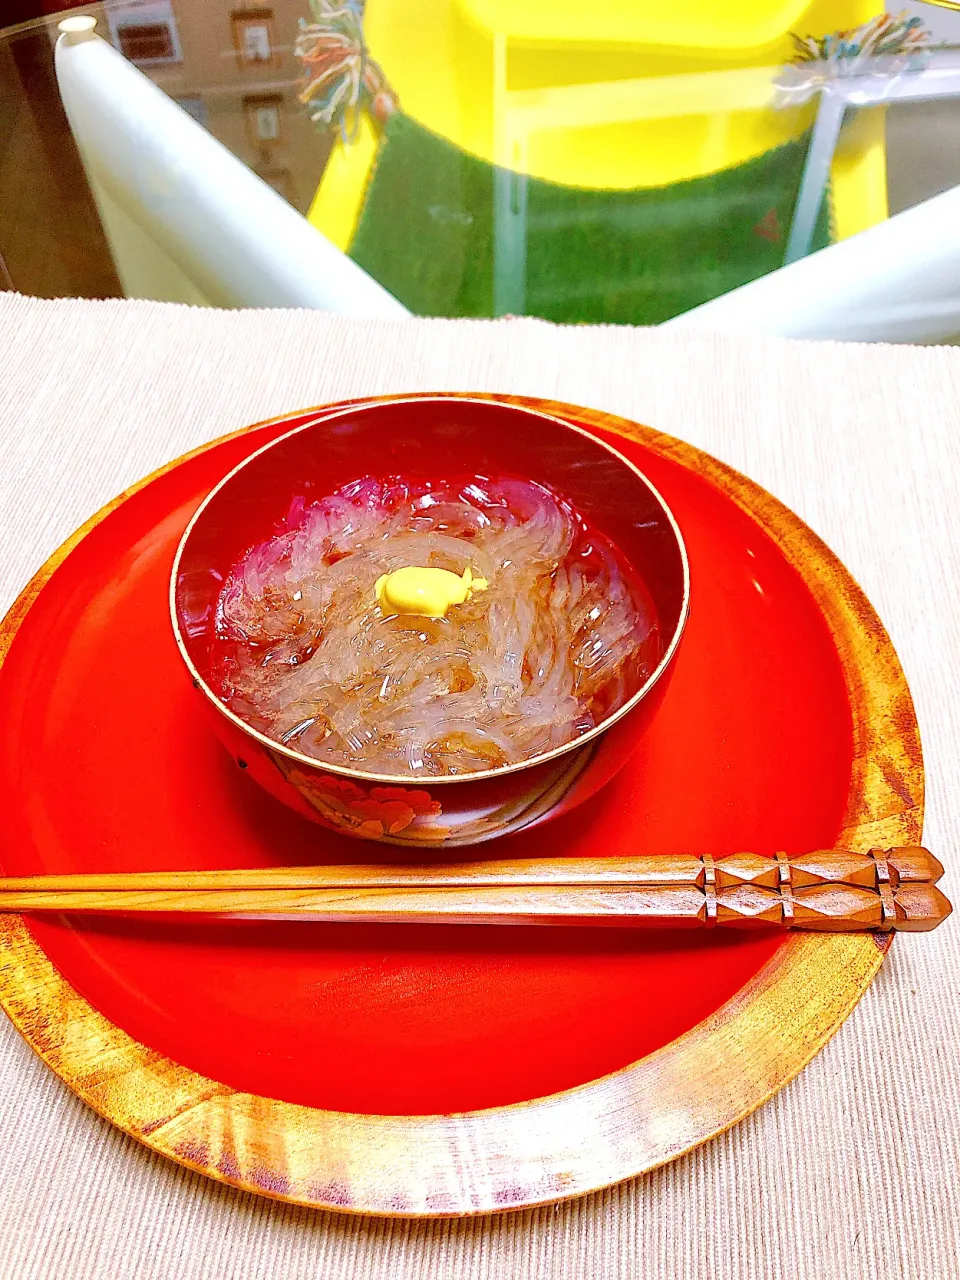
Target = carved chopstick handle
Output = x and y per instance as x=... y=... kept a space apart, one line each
x=913 y=907
x=870 y=870
x=828 y=891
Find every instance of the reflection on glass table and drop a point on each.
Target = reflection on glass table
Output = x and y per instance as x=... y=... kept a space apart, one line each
x=484 y=157
x=622 y=169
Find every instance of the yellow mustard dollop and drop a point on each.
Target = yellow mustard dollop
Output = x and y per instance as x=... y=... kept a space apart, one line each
x=424 y=591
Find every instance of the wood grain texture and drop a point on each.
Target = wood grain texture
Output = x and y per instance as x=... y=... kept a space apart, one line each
x=823 y=908
x=830 y=891
x=823 y=866
x=623 y=1124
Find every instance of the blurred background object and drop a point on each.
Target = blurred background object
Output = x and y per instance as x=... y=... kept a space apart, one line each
x=483 y=157
x=185 y=220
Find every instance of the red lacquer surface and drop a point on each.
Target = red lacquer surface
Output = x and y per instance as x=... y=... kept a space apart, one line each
x=105 y=765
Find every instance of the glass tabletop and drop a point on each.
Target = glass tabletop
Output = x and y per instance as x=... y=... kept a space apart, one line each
x=621 y=164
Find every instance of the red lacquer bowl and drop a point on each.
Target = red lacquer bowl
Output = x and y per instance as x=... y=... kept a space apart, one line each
x=427 y=438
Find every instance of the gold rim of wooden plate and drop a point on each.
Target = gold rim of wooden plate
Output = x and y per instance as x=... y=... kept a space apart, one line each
x=550 y=1148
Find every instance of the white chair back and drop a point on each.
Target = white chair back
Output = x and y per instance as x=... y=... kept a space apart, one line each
x=896 y=282
x=186 y=220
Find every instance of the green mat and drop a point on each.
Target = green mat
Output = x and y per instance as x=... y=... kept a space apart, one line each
x=623 y=257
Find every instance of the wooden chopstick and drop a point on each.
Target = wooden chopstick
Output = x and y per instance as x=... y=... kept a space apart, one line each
x=822 y=866
x=826 y=907
x=680 y=869
x=827 y=891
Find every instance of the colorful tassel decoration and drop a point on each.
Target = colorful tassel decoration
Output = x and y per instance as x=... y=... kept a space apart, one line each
x=885 y=36
x=341 y=79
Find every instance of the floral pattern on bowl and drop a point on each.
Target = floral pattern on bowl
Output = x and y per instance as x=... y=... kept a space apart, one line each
x=373 y=812
x=408 y=815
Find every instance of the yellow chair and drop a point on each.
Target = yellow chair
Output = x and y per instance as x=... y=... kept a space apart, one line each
x=621 y=96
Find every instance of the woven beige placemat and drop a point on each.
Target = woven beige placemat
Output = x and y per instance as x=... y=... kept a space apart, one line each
x=851 y=1171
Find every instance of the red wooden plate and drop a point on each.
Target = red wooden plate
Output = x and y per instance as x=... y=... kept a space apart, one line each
x=379 y=1068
